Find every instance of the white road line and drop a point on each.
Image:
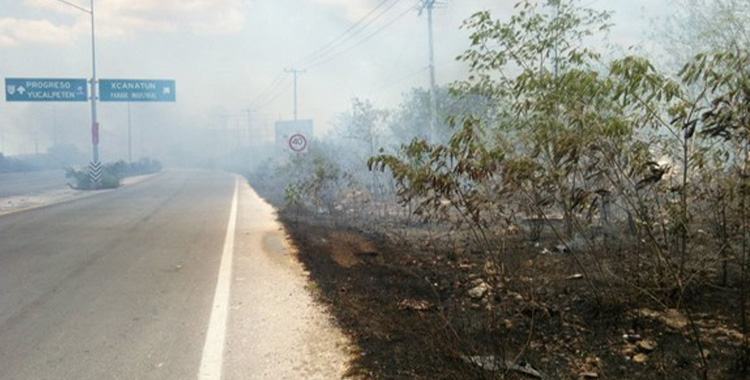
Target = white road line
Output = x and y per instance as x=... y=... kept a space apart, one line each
x=213 y=348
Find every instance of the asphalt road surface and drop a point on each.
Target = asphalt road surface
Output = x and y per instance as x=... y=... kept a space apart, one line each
x=31 y=182
x=177 y=277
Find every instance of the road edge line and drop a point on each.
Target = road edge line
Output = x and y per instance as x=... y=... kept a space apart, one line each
x=213 y=348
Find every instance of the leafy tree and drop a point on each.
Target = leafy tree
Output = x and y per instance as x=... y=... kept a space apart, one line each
x=556 y=103
x=725 y=78
x=363 y=124
x=534 y=156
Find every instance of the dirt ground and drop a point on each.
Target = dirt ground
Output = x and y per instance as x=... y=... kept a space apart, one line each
x=421 y=309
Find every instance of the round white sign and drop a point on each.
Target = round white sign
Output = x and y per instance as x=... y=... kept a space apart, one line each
x=298 y=142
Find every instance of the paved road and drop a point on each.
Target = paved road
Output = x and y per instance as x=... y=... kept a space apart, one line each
x=123 y=285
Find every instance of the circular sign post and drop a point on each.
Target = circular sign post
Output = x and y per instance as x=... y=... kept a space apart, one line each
x=298 y=143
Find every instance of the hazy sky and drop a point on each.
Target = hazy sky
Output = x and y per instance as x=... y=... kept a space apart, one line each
x=228 y=56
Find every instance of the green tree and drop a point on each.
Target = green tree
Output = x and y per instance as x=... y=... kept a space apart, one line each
x=364 y=124
x=556 y=103
x=534 y=156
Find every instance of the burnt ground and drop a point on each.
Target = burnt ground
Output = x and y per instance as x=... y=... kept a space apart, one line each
x=421 y=308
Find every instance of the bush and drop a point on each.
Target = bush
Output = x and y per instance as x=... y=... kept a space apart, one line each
x=8 y=164
x=82 y=179
x=112 y=173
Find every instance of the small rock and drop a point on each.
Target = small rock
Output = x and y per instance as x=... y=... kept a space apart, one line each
x=640 y=358
x=479 y=291
x=646 y=346
x=589 y=375
x=490 y=269
x=477 y=281
x=516 y=296
x=465 y=267
x=648 y=313
x=674 y=319
x=628 y=351
x=508 y=324
x=415 y=305
x=706 y=353
x=631 y=338
x=561 y=248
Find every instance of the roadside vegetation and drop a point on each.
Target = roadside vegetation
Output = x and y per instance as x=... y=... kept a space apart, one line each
x=112 y=173
x=572 y=216
x=57 y=157
x=9 y=164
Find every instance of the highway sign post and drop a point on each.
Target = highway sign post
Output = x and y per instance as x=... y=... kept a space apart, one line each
x=137 y=90
x=45 y=90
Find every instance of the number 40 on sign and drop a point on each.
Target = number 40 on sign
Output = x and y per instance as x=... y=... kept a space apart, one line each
x=298 y=143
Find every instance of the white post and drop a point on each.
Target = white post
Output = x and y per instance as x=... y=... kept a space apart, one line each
x=94 y=120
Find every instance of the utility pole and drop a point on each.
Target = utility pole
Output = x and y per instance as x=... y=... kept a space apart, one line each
x=295 y=73
x=55 y=138
x=130 y=138
x=95 y=164
x=429 y=5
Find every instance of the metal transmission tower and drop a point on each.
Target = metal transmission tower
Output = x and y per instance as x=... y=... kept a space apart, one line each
x=429 y=5
x=295 y=73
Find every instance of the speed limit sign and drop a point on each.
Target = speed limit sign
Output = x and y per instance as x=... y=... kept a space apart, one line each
x=298 y=143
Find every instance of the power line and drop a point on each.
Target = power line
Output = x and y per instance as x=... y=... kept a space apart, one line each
x=324 y=56
x=329 y=51
x=270 y=99
x=271 y=92
x=268 y=89
x=343 y=37
x=360 y=42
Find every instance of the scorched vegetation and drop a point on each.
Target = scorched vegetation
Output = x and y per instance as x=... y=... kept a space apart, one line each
x=572 y=217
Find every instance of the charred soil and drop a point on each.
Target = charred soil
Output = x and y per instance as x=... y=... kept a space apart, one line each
x=420 y=307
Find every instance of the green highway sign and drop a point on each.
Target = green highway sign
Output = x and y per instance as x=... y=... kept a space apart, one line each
x=137 y=90
x=45 y=90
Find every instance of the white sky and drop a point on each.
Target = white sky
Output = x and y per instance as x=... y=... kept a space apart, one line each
x=223 y=54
